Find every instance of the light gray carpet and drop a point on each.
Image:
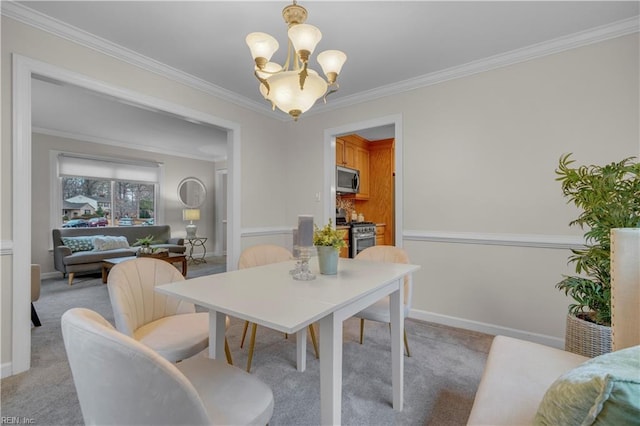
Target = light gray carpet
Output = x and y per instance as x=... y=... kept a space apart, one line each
x=441 y=376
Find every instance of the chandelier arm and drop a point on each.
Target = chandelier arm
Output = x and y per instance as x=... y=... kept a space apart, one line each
x=263 y=81
x=264 y=71
x=303 y=76
x=336 y=85
x=288 y=61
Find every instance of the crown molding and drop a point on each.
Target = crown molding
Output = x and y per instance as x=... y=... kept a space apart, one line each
x=45 y=23
x=550 y=47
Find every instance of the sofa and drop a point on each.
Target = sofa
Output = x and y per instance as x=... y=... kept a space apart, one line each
x=527 y=383
x=79 y=250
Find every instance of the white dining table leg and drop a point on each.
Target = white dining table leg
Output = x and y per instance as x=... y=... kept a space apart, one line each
x=330 y=370
x=397 y=356
x=301 y=349
x=217 y=330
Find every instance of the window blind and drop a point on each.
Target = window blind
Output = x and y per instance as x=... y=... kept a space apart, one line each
x=110 y=169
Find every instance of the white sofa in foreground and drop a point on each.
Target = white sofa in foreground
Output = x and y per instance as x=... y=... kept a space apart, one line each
x=518 y=373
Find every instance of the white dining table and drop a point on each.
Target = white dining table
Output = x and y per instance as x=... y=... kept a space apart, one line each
x=269 y=296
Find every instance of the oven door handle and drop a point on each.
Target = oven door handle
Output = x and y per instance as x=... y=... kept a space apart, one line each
x=364 y=235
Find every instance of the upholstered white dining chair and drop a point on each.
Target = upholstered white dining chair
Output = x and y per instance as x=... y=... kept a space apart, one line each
x=258 y=255
x=379 y=311
x=169 y=326
x=120 y=381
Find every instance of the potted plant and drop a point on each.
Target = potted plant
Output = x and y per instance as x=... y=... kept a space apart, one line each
x=145 y=245
x=328 y=241
x=608 y=197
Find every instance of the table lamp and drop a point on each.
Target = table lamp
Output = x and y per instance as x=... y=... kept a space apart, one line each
x=191 y=215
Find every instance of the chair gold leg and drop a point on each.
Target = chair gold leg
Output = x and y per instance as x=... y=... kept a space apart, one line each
x=71 y=275
x=406 y=343
x=227 y=351
x=361 y=330
x=244 y=333
x=312 y=332
x=252 y=344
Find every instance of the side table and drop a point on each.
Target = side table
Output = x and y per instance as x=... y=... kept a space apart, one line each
x=194 y=242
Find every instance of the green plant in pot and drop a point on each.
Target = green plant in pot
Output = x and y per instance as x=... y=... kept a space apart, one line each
x=328 y=241
x=608 y=197
x=144 y=244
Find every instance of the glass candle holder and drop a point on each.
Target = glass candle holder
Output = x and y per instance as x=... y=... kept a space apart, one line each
x=302 y=272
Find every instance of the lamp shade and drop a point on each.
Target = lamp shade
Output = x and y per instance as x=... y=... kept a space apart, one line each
x=191 y=214
x=304 y=37
x=262 y=45
x=286 y=94
x=331 y=61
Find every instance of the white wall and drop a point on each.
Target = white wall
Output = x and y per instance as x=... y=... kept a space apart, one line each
x=262 y=139
x=479 y=159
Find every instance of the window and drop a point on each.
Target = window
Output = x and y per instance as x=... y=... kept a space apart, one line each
x=122 y=192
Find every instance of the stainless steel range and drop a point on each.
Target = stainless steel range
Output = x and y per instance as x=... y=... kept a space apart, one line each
x=361 y=236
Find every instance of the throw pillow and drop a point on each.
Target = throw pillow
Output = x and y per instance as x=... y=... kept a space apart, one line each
x=603 y=391
x=78 y=243
x=103 y=243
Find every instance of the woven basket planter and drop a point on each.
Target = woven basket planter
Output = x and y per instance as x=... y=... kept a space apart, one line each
x=586 y=338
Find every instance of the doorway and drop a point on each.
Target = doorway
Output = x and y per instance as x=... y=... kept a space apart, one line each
x=391 y=126
x=24 y=69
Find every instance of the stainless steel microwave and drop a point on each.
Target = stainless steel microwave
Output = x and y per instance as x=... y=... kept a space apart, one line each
x=347 y=180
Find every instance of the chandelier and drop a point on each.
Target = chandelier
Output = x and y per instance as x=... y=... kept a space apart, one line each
x=294 y=87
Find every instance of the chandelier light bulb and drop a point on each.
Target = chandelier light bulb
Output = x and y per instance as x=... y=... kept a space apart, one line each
x=305 y=38
x=262 y=47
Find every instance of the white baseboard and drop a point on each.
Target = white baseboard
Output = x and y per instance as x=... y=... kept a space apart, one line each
x=5 y=370
x=486 y=328
x=47 y=275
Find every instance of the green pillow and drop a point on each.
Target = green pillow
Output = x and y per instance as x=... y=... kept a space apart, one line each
x=602 y=391
x=78 y=243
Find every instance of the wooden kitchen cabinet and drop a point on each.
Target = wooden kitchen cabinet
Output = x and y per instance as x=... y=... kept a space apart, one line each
x=353 y=151
x=345 y=153
x=344 y=252
x=380 y=240
x=380 y=205
x=362 y=164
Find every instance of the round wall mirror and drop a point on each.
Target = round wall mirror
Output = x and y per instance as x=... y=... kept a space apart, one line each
x=192 y=192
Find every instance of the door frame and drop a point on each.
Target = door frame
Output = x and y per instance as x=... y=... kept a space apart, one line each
x=329 y=202
x=24 y=69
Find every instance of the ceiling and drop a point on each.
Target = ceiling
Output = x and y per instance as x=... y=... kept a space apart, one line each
x=391 y=45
